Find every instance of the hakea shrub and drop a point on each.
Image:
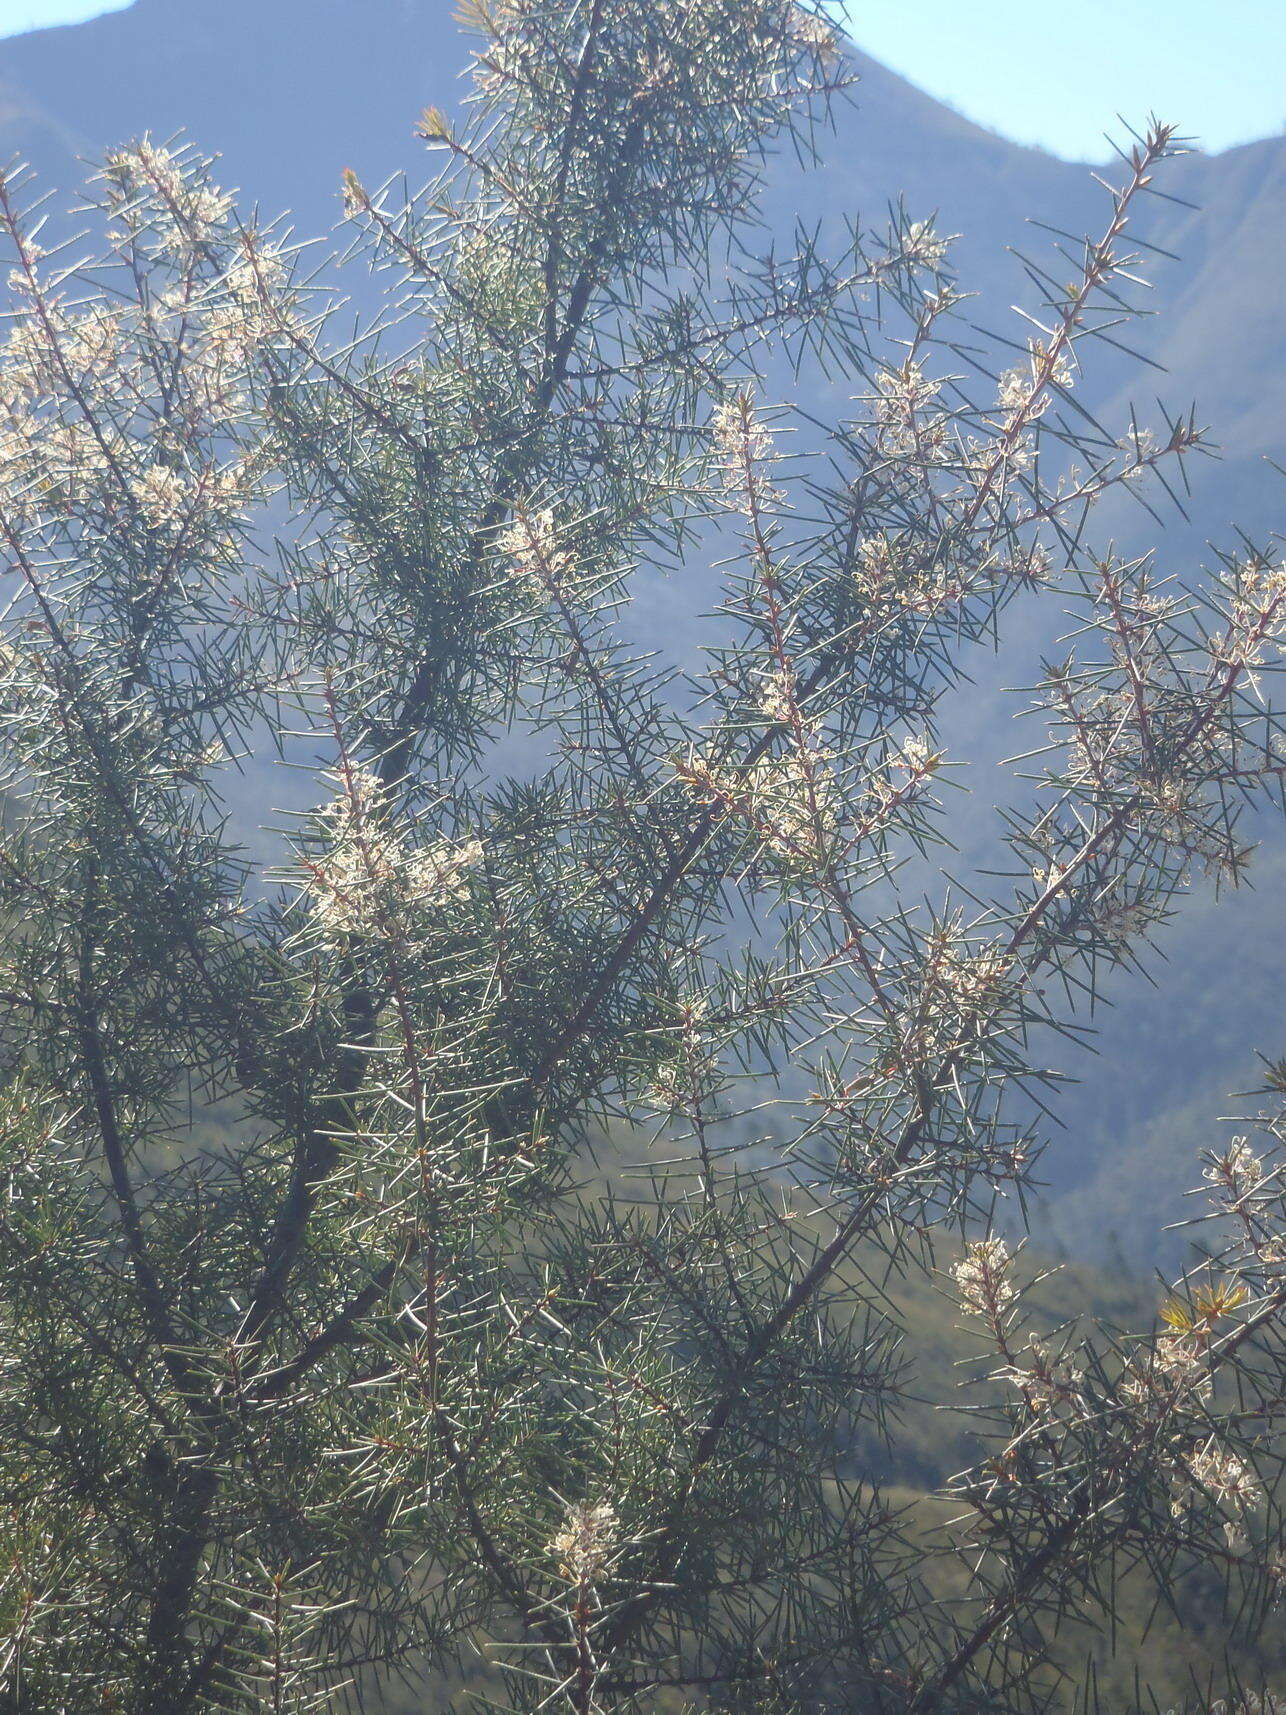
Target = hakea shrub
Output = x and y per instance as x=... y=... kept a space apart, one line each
x=322 y=1362
x=1161 y=1451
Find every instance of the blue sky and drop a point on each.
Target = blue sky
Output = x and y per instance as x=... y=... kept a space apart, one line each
x=1054 y=72
x=17 y=15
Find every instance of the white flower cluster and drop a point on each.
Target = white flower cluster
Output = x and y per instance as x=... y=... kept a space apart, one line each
x=922 y=245
x=813 y=35
x=962 y=986
x=742 y=444
x=1216 y=1473
x=1047 y=875
x=789 y=800
x=83 y=429
x=583 y=1548
x=162 y=494
x=201 y=506
x=30 y=358
x=907 y=424
x=1046 y=1381
x=1013 y=390
x=1033 y=565
x=688 y=1072
x=46 y=347
x=192 y=212
x=1123 y=921
x=1256 y=616
x=1182 y=1355
x=508 y=50
x=1140 y=450
x=1248 y=1703
x=20 y=278
x=248 y=302
x=903 y=781
x=891 y=577
x=49 y=463
x=777 y=695
x=1172 y=802
x=1021 y=392
x=530 y=543
x=982 y=1277
x=1182 y=1362
x=1237 y=1172
x=366 y=880
x=793 y=798
x=879 y=561
x=916 y=756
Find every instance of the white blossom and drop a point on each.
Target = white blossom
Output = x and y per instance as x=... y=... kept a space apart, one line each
x=583 y=1547
x=143 y=165
x=1140 y=448
x=903 y=398
x=742 y=444
x=163 y=495
x=1217 y=1473
x=188 y=210
x=1013 y=390
x=922 y=245
x=813 y=34
x=789 y=800
x=1022 y=391
x=917 y=756
x=1045 y=1381
x=1237 y=1172
x=982 y=1279
x=963 y=984
x=1182 y=1362
x=777 y=695
x=1248 y=1703
x=366 y=879
x=531 y=545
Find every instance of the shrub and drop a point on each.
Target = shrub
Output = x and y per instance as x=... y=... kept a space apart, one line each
x=319 y=1359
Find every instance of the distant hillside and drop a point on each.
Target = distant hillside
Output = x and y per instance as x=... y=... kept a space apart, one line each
x=292 y=91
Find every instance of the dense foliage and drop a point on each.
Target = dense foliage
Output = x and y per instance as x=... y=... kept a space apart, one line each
x=321 y=1361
